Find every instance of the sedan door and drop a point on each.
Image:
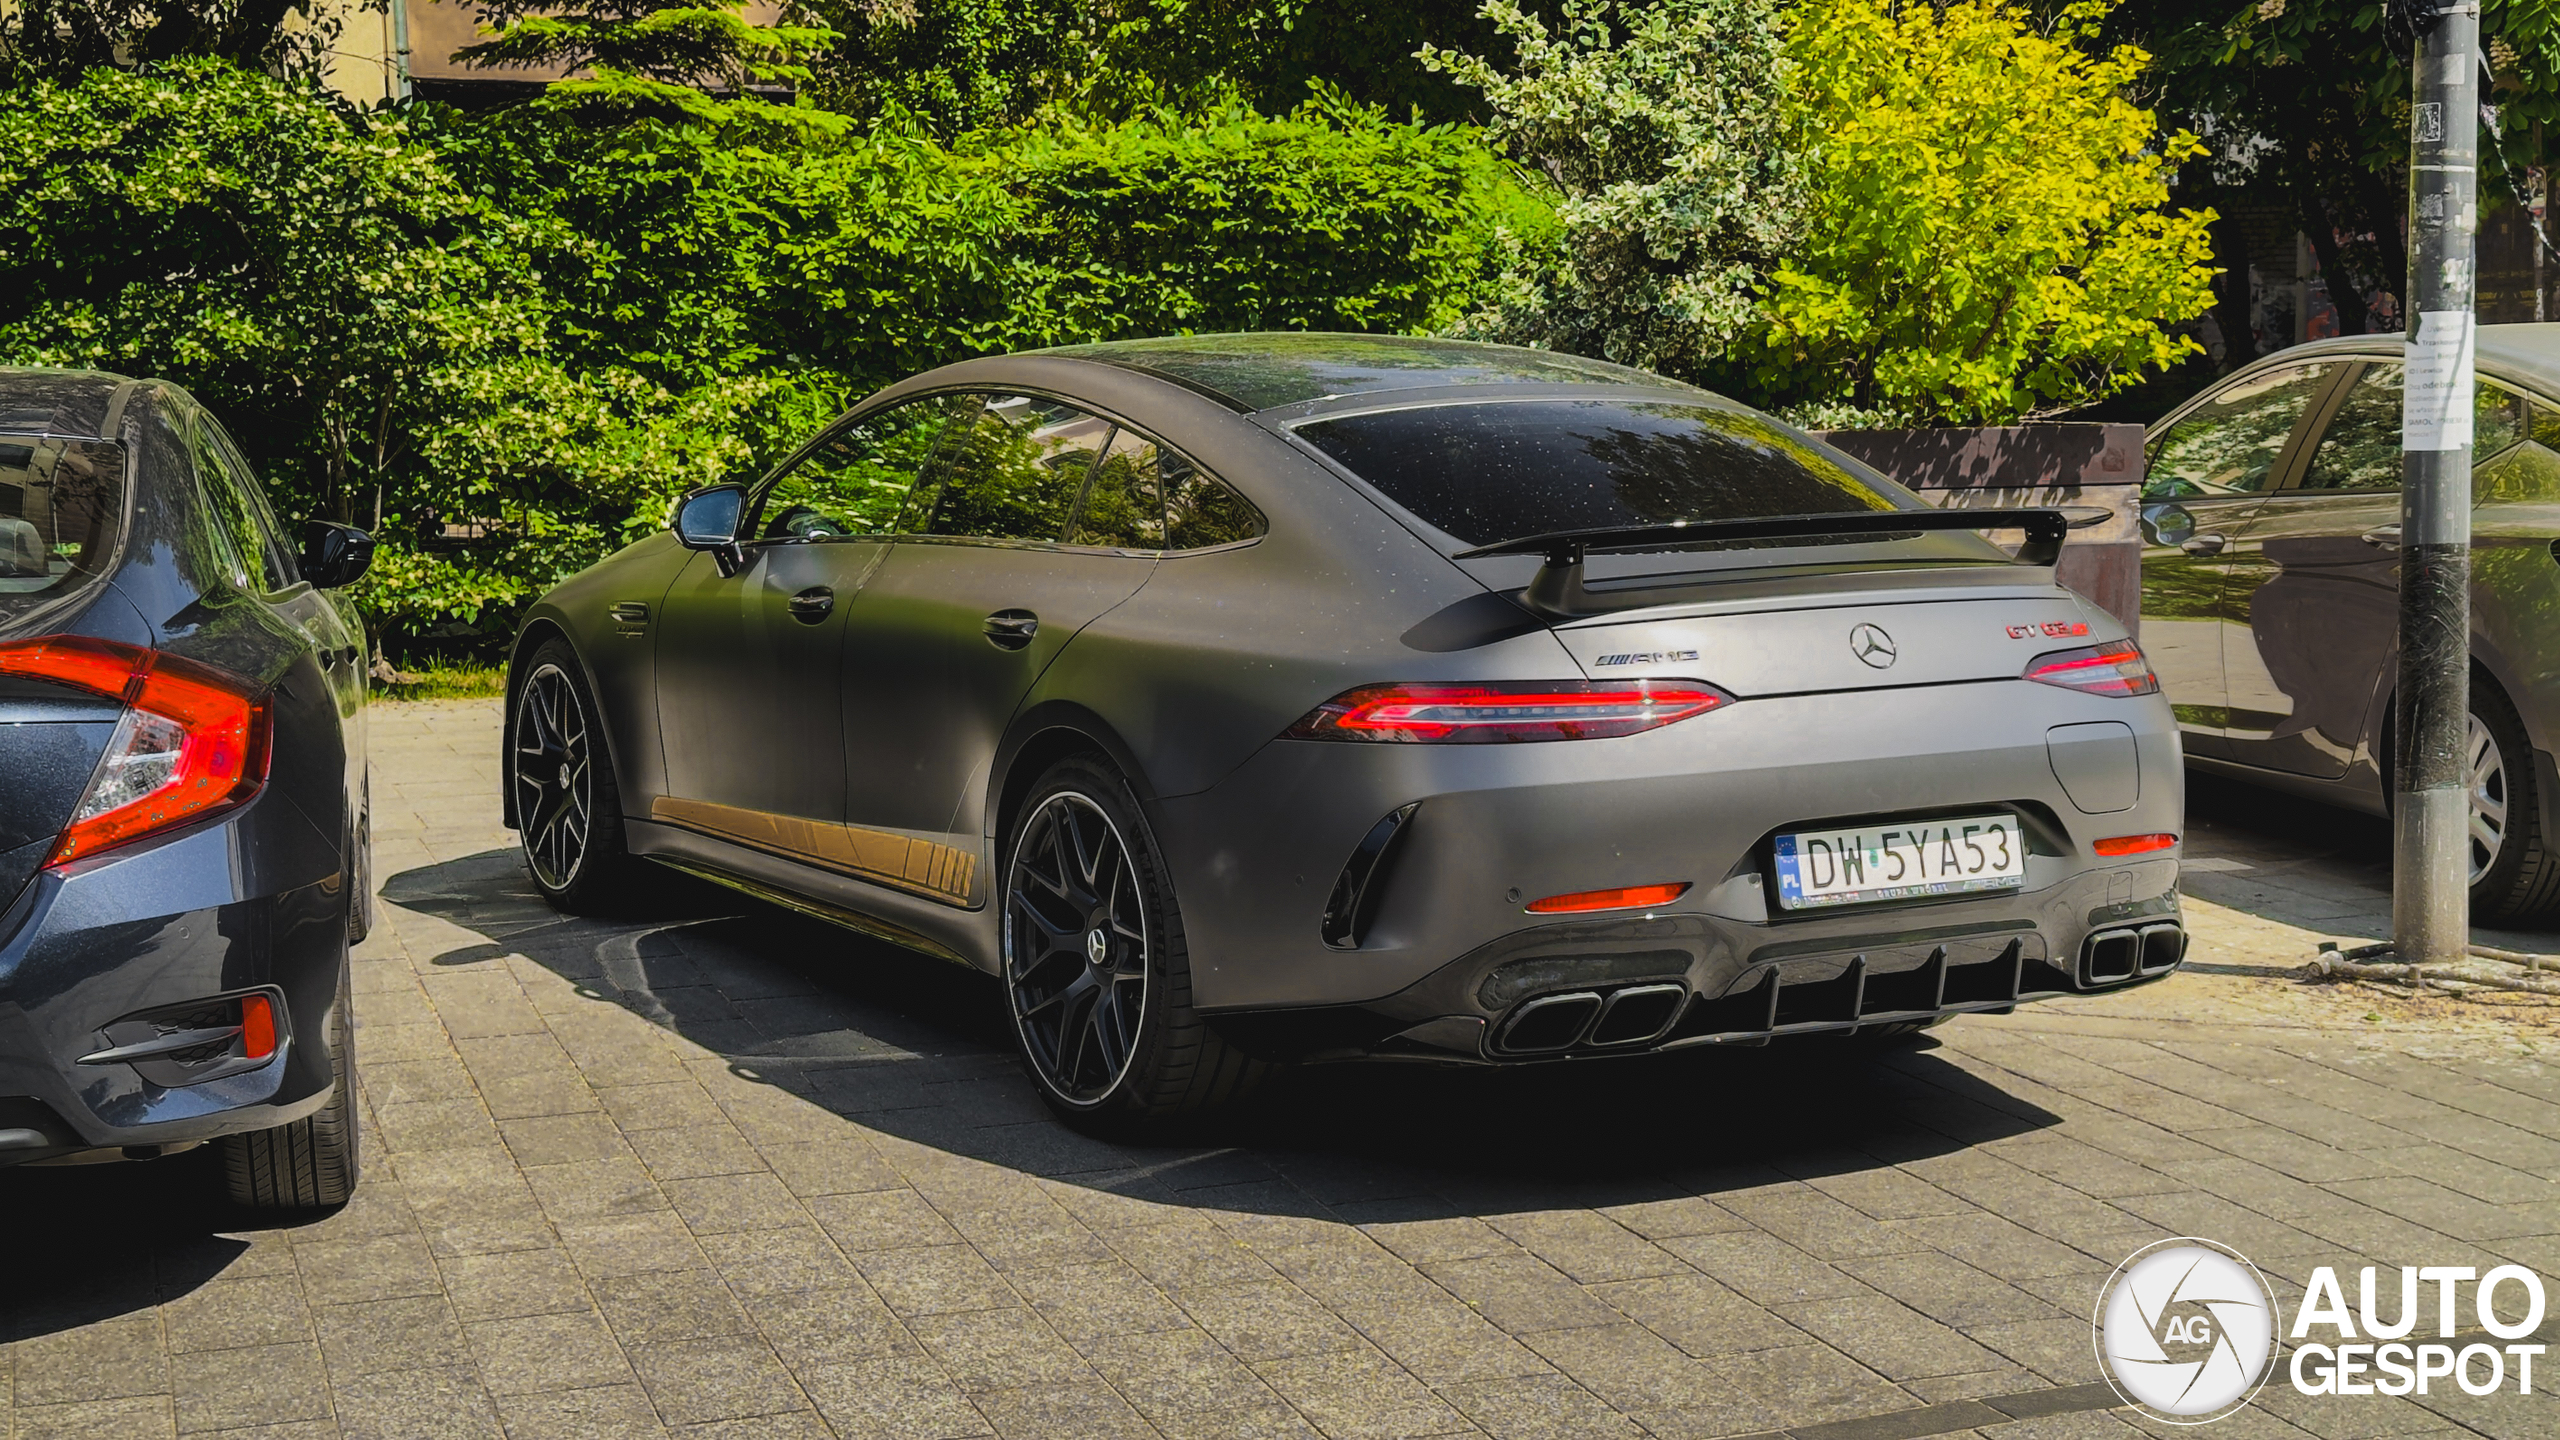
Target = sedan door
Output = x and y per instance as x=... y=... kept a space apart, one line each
x=2314 y=585
x=750 y=655
x=2208 y=472
x=994 y=579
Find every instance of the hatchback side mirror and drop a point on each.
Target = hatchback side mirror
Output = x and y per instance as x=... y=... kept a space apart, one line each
x=334 y=555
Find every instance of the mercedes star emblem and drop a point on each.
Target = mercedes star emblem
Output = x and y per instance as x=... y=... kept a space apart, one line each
x=1871 y=644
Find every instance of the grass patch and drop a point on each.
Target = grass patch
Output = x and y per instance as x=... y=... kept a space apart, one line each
x=445 y=682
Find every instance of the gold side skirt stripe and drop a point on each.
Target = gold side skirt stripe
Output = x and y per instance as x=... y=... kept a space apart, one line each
x=944 y=872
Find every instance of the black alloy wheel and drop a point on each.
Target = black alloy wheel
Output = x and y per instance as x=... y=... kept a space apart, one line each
x=555 y=778
x=1076 y=949
x=1097 y=968
x=568 y=810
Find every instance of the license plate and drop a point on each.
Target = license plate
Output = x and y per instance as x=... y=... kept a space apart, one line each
x=1900 y=860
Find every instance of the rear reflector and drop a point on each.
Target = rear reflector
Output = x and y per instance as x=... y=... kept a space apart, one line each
x=1632 y=897
x=1444 y=714
x=193 y=739
x=257 y=1027
x=2134 y=844
x=2110 y=667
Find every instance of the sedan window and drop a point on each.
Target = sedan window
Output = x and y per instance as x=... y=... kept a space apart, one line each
x=1200 y=513
x=60 y=501
x=1013 y=473
x=1123 y=506
x=855 y=479
x=2361 y=449
x=2229 y=444
x=1490 y=472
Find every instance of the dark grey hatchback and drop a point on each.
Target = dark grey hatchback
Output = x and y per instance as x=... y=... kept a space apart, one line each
x=183 y=824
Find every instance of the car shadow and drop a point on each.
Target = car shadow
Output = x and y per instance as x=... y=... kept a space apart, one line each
x=95 y=1242
x=919 y=1048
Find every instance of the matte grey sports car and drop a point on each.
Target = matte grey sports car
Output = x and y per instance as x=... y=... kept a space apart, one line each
x=2270 y=584
x=1248 y=698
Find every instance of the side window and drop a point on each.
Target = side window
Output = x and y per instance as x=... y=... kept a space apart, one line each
x=2497 y=419
x=1123 y=506
x=238 y=514
x=1014 y=473
x=856 y=478
x=1199 y=512
x=2230 y=444
x=2361 y=448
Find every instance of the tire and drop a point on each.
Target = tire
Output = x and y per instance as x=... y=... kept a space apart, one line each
x=2515 y=876
x=310 y=1164
x=568 y=809
x=1097 y=974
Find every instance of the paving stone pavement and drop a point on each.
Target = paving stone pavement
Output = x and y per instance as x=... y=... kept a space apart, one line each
x=729 y=1173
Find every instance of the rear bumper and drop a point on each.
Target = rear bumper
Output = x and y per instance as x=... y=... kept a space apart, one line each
x=1256 y=858
x=254 y=899
x=1629 y=986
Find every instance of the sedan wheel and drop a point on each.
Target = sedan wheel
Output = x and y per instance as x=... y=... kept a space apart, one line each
x=2488 y=780
x=555 y=778
x=1076 y=949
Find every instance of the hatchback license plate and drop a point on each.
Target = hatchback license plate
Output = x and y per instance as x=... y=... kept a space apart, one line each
x=1900 y=860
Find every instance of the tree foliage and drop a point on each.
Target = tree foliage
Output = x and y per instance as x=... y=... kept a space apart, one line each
x=2306 y=103
x=65 y=39
x=1853 y=210
x=1659 y=129
x=1988 y=237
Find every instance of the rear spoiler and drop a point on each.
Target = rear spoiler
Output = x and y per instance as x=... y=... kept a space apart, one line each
x=1557 y=591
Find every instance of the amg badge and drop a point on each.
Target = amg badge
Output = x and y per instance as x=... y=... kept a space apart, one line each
x=1645 y=657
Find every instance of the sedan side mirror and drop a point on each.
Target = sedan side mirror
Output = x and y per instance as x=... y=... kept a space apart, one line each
x=708 y=518
x=334 y=555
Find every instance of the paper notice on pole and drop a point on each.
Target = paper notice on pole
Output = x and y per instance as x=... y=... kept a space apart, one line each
x=2436 y=407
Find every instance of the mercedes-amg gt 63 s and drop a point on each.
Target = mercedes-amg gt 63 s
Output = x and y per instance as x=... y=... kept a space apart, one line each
x=183 y=830
x=1249 y=698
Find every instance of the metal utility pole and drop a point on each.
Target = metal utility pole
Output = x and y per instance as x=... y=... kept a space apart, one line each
x=2431 y=815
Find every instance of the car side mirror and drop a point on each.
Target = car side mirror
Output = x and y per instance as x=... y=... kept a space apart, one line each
x=334 y=555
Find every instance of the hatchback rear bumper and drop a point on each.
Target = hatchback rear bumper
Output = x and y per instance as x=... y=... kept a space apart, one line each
x=251 y=901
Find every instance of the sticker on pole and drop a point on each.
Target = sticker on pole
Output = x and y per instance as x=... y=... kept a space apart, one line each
x=2436 y=407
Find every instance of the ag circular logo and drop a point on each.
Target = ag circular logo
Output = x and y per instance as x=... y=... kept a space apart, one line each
x=1871 y=644
x=2186 y=1331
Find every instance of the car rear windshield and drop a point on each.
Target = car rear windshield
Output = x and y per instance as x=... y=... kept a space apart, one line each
x=1501 y=471
x=60 y=504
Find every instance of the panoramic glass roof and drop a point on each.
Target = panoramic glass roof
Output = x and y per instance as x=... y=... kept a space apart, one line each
x=1258 y=372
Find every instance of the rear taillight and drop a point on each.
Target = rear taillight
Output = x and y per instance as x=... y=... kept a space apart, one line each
x=1631 y=897
x=1443 y=714
x=2116 y=845
x=192 y=739
x=2110 y=667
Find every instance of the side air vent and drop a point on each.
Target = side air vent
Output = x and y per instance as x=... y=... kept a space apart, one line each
x=1357 y=890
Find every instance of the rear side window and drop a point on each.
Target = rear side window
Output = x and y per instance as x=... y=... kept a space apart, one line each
x=1501 y=471
x=1014 y=472
x=245 y=528
x=1123 y=504
x=60 y=504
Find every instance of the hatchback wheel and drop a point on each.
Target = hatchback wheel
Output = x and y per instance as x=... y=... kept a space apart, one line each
x=1097 y=976
x=2515 y=877
x=568 y=810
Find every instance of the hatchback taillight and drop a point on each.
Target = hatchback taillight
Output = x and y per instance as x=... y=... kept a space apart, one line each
x=192 y=740
x=1506 y=712
x=2110 y=667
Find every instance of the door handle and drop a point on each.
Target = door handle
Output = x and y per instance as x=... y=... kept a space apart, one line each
x=2386 y=537
x=1012 y=629
x=2203 y=544
x=813 y=604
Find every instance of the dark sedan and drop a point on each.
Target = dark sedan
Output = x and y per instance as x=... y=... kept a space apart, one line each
x=183 y=822
x=2270 y=589
x=1246 y=698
